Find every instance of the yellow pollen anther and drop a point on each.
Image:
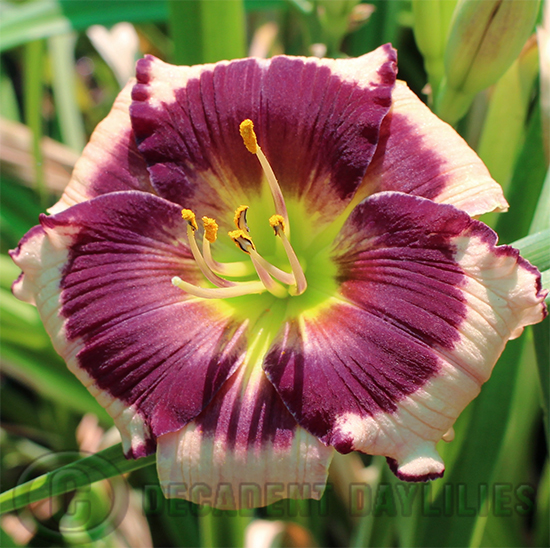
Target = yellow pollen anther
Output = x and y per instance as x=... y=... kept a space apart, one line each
x=189 y=216
x=240 y=218
x=210 y=229
x=246 y=130
x=277 y=223
x=242 y=240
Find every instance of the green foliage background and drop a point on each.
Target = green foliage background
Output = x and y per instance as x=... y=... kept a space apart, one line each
x=54 y=84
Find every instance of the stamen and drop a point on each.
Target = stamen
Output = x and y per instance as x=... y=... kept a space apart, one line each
x=240 y=221
x=246 y=129
x=240 y=218
x=235 y=269
x=248 y=288
x=210 y=229
x=245 y=243
x=268 y=273
x=250 y=140
x=242 y=240
x=278 y=224
x=189 y=216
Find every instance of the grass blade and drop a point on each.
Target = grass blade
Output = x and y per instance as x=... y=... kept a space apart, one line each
x=64 y=88
x=480 y=446
x=22 y=23
x=536 y=249
x=504 y=127
x=34 y=66
x=105 y=464
x=525 y=187
x=206 y=31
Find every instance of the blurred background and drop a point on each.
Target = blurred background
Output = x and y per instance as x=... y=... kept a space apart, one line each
x=483 y=66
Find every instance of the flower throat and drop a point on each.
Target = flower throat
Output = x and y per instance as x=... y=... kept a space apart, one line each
x=271 y=278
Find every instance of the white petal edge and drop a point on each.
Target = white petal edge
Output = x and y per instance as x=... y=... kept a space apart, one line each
x=166 y=79
x=99 y=152
x=238 y=466
x=502 y=297
x=199 y=468
x=471 y=189
x=42 y=257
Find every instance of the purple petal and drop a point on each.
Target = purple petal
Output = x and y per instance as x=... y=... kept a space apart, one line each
x=317 y=121
x=245 y=450
x=100 y=274
x=425 y=307
x=421 y=155
x=110 y=162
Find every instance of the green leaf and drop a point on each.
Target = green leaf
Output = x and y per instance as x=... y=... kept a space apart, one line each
x=365 y=531
x=220 y=528
x=383 y=26
x=64 y=89
x=541 y=333
x=206 y=31
x=264 y=5
x=6 y=540
x=480 y=442
x=514 y=471
x=22 y=23
x=173 y=519
x=541 y=221
x=525 y=188
x=542 y=523
x=34 y=68
x=305 y=7
x=19 y=210
x=62 y=387
x=9 y=108
x=504 y=127
x=103 y=465
x=536 y=249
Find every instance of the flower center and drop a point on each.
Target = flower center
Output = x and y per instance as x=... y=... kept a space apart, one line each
x=270 y=278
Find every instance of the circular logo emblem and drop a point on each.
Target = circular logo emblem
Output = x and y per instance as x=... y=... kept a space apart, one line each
x=85 y=502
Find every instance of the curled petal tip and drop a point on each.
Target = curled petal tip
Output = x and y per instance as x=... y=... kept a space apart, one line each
x=424 y=464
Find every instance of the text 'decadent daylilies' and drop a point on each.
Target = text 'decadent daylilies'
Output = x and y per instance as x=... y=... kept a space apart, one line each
x=361 y=309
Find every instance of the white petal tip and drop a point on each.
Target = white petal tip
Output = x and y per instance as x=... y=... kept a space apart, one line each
x=423 y=465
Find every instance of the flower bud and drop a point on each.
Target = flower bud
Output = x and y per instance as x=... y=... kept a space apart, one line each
x=431 y=25
x=486 y=37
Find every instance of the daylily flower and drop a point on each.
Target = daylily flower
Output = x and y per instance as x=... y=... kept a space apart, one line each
x=361 y=309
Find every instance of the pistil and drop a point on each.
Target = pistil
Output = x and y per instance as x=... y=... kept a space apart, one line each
x=226 y=288
x=278 y=225
x=245 y=288
x=245 y=243
x=269 y=275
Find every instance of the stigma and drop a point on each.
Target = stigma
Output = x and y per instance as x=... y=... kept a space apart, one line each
x=269 y=277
